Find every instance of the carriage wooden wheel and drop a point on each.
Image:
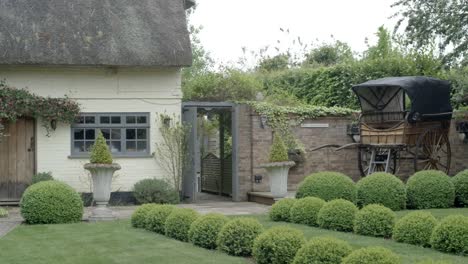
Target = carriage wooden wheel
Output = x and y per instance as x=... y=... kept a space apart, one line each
x=364 y=158
x=433 y=151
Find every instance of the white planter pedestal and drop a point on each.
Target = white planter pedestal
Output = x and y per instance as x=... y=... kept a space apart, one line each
x=102 y=180
x=278 y=174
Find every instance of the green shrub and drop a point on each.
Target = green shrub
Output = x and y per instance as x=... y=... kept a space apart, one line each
x=374 y=220
x=100 y=152
x=322 y=250
x=430 y=261
x=460 y=181
x=237 y=236
x=337 y=215
x=178 y=223
x=382 y=188
x=138 y=218
x=3 y=212
x=451 y=235
x=372 y=255
x=430 y=189
x=328 y=186
x=280 y=210
x=155 y=218
x=277 y=245
x=305 y=211
x=204 y=231
x=42 y=176
x=278 y=151
x=155 y=191
x=51 y=202
x=415 y=228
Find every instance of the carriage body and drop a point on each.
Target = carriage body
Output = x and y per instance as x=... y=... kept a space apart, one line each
x=405 y=113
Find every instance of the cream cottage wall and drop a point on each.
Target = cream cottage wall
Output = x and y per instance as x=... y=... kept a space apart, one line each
x=99 y=89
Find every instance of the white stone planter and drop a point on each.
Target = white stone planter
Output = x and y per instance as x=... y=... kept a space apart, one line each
x=102 y=180
x=278 y=173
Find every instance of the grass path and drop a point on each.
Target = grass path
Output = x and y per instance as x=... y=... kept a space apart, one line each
x=100 y=243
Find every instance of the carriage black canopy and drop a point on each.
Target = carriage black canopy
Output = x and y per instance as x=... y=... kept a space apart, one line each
x=430 y=97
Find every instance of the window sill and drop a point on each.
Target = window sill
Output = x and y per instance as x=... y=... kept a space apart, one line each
x=123 y=156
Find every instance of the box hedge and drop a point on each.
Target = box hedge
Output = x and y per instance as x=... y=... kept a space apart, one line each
x=178 y=223
x=327 y=186
x=337 y=215
x=238 y=235
x=155 y=191
x=204 y=231
x=374 y=220
x=382 y=188
x=155 y=218
x=277 y=245
x=138 y=217
x=430 y=189
x=451 y=235
x=415 y=228
x=305 y=211
x=51 y=202
x=323 y=250
x=280 y=210
x=460 y=182
x=372 y=255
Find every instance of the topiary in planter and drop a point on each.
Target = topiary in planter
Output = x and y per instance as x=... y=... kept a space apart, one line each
x=51 y=202
x=305 y=211
x=382 y=188
x=155 y=191
x=322 y=250
x=238 y=235
x=372 y=255
x=327 y=186
x=138 y=218
x=430 y=189
x=415 y=228
x=178 y=223
x=451 y=235
x=278 y=151
x=100 y=152
x=277 y=245
x=280 y=210
x=155 y=218
x=460 y=181
x=204 y=231
x=374 y=220
x=337 y=215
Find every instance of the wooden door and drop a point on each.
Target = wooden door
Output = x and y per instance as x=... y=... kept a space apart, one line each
x=17 y=159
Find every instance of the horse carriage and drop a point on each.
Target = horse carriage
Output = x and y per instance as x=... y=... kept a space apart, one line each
x=402 y=118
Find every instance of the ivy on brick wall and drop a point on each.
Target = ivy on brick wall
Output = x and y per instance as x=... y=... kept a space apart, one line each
x=17 y=103
x=282 y=119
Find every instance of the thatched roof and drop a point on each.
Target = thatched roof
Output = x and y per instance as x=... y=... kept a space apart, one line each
x=94 y=32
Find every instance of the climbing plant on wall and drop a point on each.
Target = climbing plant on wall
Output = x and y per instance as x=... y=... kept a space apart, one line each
x=17 y=103
x=283 y=118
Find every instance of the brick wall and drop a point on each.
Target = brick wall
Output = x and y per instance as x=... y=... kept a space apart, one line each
x=255 y=142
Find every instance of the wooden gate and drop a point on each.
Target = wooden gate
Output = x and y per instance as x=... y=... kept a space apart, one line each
x=17 y=159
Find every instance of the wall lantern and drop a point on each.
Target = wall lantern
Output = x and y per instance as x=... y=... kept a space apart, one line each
x=53 y=124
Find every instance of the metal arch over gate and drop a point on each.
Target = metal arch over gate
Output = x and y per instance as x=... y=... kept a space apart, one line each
x=192 y=180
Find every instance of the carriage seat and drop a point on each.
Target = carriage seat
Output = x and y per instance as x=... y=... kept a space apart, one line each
x=383 y=120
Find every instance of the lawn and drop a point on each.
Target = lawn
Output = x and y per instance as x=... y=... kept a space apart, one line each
x=117 y=242
x=110 y=242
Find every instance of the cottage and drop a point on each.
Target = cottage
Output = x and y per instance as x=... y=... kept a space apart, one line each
x=120 y=60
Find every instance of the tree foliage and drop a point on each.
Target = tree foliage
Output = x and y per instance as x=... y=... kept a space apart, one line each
x=441 y=21
x=329 y=54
